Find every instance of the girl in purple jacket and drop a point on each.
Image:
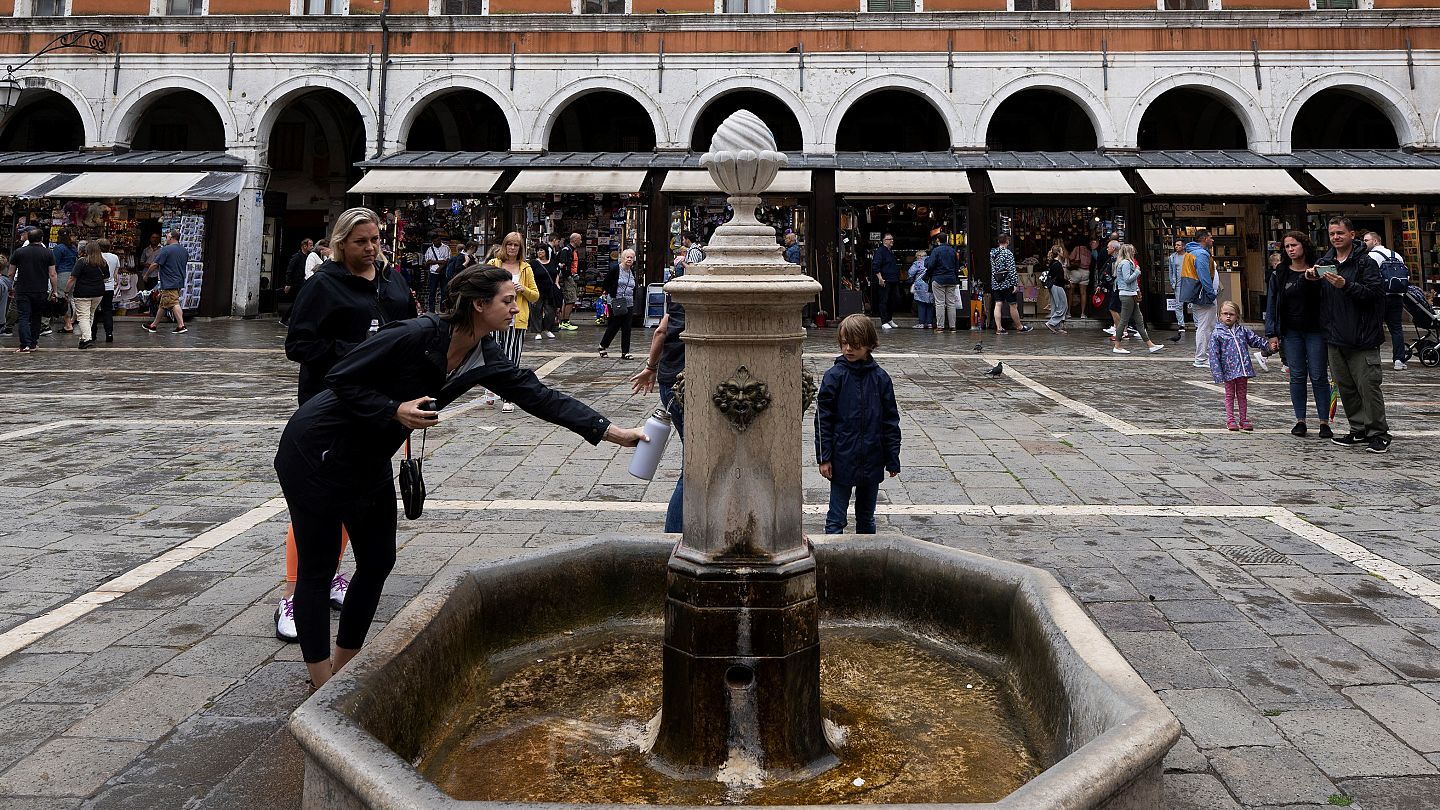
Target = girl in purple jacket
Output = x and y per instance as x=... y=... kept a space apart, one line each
x=1230 y=362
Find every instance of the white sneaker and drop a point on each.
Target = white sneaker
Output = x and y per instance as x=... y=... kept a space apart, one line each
x=1201 y=364
x=539 y=338
x=338 y=587
x=918 y=326
x=508 y=407
x=886 y=326
x=1262 y=362
x=1109 y=330
x=1400 y=365
x=285 y=621
x=1118 y=350
x=550 y=335
x=1157 y=347
x=1131 y=333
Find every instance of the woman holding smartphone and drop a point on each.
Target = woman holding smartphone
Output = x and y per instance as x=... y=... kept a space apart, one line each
x=334 y=456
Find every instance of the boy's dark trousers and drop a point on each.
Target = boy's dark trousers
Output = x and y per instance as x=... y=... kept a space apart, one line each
x=865 y=497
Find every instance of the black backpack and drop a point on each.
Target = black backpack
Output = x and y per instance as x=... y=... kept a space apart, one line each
x=1394 y=271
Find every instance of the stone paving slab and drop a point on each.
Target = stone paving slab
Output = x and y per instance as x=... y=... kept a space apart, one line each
x=1296 y=679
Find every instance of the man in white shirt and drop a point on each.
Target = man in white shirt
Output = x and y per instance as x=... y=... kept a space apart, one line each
x=1394 y=306
x=317 y=257
x=436 y=256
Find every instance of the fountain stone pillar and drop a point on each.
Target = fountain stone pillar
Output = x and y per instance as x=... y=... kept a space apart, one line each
x=742 y=655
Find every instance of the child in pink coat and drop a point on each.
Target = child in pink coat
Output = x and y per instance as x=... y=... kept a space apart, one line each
x=1230 y=363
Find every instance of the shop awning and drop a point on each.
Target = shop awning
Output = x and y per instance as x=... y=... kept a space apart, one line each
x=216 y=186
x=15 y=185
x=1056 y=183
x=1379 y=181
x=427 y=181
x=910 y=184
x=129 y=184
x=578 y=181
x=1222 y=182
x=699 y=182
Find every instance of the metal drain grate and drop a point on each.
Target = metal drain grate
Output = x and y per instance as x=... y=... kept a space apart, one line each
x=1253 y=555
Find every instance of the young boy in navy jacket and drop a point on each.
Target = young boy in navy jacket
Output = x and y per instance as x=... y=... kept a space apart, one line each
x=857 y=427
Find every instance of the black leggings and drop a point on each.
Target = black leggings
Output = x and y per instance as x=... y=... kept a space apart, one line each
x=105 y=314
x=617 y=322
x=370 y=519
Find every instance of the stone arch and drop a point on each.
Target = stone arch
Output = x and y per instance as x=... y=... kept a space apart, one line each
x=759 y=84
x=119 y=127
x=270 y=105
x=1409 y=126
x=549 y=112
x=1258 y=135
x=410 y=108
x=865 y=87
x=83 y=108
x=1076 y=91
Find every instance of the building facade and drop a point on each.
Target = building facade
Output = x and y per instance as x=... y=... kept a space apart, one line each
x=971 y=116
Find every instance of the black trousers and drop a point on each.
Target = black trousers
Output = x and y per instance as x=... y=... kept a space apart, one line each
x=617 y=322
x=105 y=315
x=317 y=512
x=890 y=300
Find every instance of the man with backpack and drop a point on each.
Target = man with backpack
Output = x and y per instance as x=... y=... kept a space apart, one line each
x=1397 y=281
x=1200 y=287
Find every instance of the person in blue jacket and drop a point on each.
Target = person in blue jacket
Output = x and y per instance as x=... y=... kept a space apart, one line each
x=857 y=427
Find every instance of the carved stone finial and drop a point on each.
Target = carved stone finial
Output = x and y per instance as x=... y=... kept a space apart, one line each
x=743 y=161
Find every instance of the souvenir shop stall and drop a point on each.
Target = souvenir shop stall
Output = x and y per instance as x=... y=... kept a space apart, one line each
x=696 y=205
x=608 y=220
x=1033 y=230
x=1237 y=249
x=128 y=224
x=913 y=221
x=1401 y=204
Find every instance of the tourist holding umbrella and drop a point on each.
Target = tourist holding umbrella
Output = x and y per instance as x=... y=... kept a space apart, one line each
x=334 y=456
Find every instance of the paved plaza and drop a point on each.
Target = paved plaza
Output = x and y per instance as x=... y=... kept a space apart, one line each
x=1279 y=594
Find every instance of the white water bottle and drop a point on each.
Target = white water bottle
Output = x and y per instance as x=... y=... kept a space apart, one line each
x=647 y=454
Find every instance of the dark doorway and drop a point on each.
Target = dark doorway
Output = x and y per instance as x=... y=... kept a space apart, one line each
x=182 y=120
x=774 y=112
x=1342 y=119
x=892 y=121
x=1190 y=119
x=603 y=121
x=43 y=121
x=317 y=139
x=1040 y=121
x=460 y=121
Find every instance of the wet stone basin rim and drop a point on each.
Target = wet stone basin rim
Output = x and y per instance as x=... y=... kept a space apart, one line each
x=1104 y=730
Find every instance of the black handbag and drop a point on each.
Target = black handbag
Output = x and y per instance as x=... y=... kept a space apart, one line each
x=412 y=481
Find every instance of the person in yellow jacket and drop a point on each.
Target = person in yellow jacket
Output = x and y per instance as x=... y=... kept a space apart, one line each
x=513 y=338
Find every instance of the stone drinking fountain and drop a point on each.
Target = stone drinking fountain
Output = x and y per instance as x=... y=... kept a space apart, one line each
x=744 y=665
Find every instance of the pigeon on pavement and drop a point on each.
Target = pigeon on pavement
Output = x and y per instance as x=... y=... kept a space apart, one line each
x=997 y=370
x=980 y=347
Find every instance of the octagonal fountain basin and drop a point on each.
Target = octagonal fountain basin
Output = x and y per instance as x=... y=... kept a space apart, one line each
x=947 y=678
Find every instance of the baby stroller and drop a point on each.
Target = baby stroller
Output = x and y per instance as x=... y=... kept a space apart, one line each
x=1427 y=328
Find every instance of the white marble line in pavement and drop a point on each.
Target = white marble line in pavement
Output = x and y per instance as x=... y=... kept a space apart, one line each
x=23 y=635
x=1410 y=582
x=129 y=396
x=141 y=425
x=1080 y=408
x=149 y=372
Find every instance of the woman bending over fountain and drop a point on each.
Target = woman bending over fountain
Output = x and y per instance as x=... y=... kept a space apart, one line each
x=334 y=456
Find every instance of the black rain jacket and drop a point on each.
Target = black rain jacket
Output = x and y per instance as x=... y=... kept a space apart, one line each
x=1355 y=314
x=857 y=423
x=334 y=312
x=342 y=439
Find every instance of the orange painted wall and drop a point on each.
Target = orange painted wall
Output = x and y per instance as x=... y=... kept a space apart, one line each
x=673 y=6
x=1242 y=5
x=529 y=6
x=396 y=6
x=786 y=6
x=85 y=8
x=1407 y=3
x=249 y=6
x=1112 y=5
x=833 y=40
x=7 y=8
x=964 y=5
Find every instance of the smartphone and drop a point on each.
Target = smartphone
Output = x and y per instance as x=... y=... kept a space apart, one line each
x=1324 y=269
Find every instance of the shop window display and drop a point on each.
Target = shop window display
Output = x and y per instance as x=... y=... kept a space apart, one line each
x=701 y=215
x=1033 y=230
x=607 y=224
x=914 y=224
x=128 y=225
x=415 y=221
